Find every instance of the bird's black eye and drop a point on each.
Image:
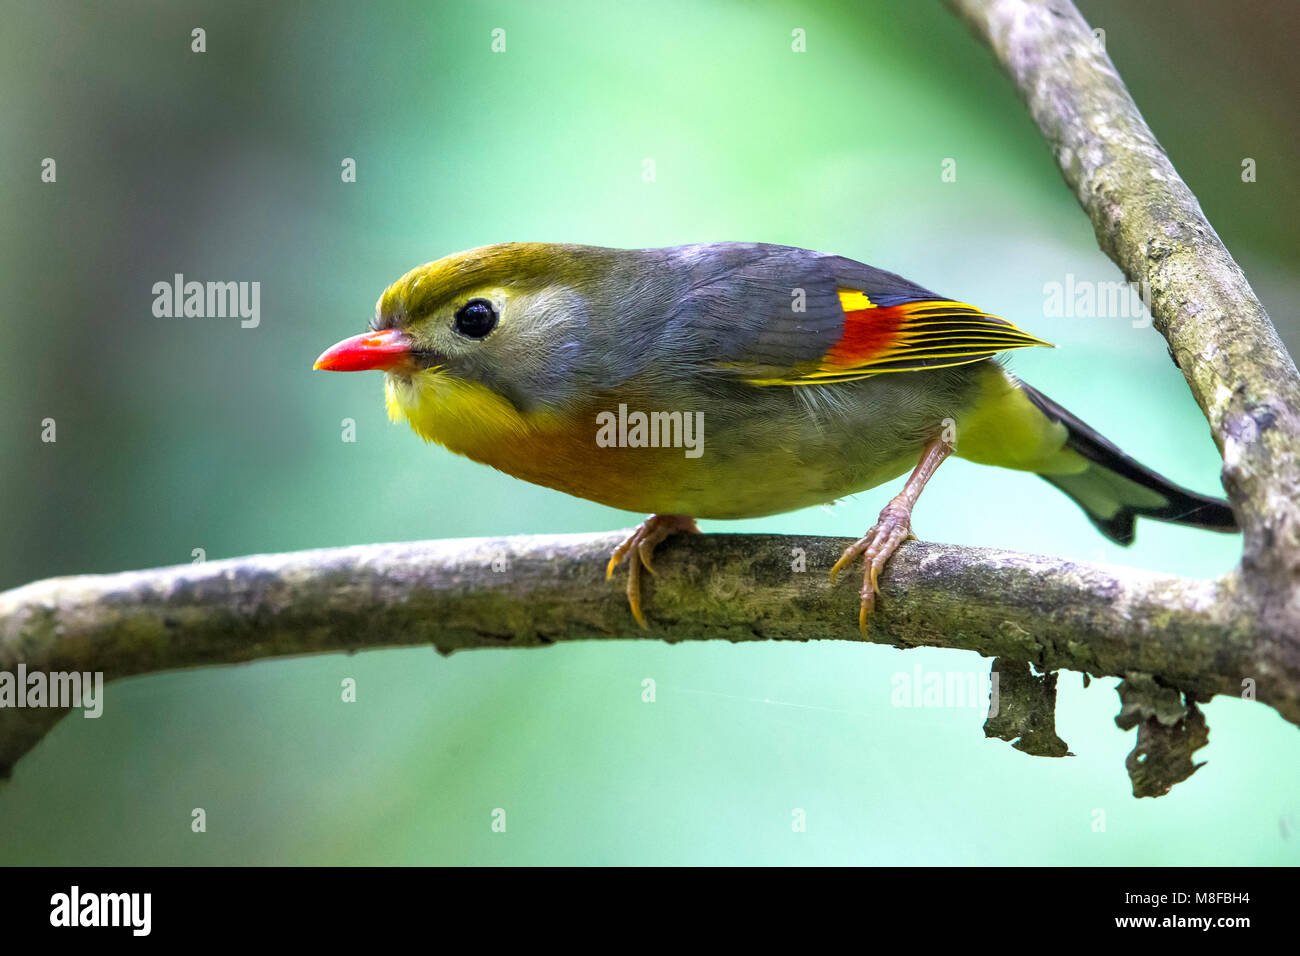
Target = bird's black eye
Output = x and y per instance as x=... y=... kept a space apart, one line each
x=476 y=318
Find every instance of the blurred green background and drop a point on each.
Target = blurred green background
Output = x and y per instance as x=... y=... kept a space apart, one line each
x=175 y=434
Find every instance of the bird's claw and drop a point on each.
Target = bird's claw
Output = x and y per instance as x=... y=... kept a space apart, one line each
x=875 y=547
x=638 y=550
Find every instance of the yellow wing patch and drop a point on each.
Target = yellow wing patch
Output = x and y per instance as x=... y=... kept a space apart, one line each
x=853 y=301
x=908 y=336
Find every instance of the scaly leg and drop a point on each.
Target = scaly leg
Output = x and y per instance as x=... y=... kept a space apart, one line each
x=892 y=529
x=637 y=551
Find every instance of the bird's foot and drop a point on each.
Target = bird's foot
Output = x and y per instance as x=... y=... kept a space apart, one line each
x=876 y=547
x=638 y=549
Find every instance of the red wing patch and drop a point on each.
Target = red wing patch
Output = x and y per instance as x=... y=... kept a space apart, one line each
x=909 y=337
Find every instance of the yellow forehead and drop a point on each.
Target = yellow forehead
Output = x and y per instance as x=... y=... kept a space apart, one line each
x=493 y=269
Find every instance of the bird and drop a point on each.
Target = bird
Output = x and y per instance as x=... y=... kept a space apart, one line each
x=730 y=380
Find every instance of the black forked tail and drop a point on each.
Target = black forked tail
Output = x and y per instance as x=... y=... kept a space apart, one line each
x=1115 y=489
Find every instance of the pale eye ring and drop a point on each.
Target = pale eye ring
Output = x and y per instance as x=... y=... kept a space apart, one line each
x=475 y=319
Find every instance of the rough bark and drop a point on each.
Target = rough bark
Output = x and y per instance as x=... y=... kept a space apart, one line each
x=535 y=591
x=1150 y=224
x=1175 y=641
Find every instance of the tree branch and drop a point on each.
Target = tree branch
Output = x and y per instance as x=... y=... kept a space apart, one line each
x=1174 y=640
x=1152 y=227
x=1150 y=224
x=535 y=591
